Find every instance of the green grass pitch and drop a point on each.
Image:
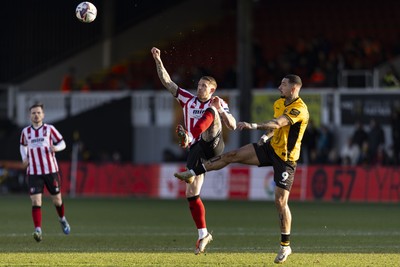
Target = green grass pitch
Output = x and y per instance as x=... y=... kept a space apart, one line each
x=149 y=232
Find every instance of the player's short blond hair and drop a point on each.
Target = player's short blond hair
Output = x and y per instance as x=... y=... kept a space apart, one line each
x=211 y=80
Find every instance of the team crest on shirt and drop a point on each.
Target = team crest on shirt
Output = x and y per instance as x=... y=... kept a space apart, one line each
x=294 y=112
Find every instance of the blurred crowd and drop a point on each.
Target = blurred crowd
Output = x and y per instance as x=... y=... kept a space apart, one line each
x=366 y=145
x=318 y=61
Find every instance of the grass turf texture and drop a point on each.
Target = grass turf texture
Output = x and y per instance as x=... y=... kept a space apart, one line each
x=146 y=232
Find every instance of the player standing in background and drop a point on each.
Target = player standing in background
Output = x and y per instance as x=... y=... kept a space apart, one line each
x=38 y=145
x=203 y=116
x=278 y=147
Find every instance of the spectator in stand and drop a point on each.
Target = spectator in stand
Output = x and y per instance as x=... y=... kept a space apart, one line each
x=87 y=86
x=68 y=82
x=309 y=143
x=390 y=80
x=382 y=156
x=334 y=156
x=376 y=142
x=360 y=138
x=324 y=145
x=395 y=127
x=350 y=153
x=317 y=78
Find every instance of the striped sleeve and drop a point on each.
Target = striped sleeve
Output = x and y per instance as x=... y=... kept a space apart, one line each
x=56 y=137
x=183 y=96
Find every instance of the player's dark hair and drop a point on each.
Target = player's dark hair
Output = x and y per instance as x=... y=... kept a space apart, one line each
x=37 y=105
x=294 y=79
x=210 y=79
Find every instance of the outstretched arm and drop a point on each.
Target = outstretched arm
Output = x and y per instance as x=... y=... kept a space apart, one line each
x=268 y=126
x=162 y=72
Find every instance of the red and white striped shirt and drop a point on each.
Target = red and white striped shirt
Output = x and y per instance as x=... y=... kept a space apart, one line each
x=193 y=109
x=38 y=142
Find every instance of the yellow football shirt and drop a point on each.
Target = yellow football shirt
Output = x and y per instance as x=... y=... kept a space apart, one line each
x=286 y=141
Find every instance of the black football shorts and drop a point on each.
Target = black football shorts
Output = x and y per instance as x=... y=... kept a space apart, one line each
x=283 y=170
x=38 y=182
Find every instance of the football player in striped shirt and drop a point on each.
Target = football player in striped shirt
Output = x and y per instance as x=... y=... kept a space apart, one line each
x=202 y=134
x=279 y=147
x=38 y=145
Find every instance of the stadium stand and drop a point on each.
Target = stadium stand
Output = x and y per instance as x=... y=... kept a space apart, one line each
x=316 y=39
